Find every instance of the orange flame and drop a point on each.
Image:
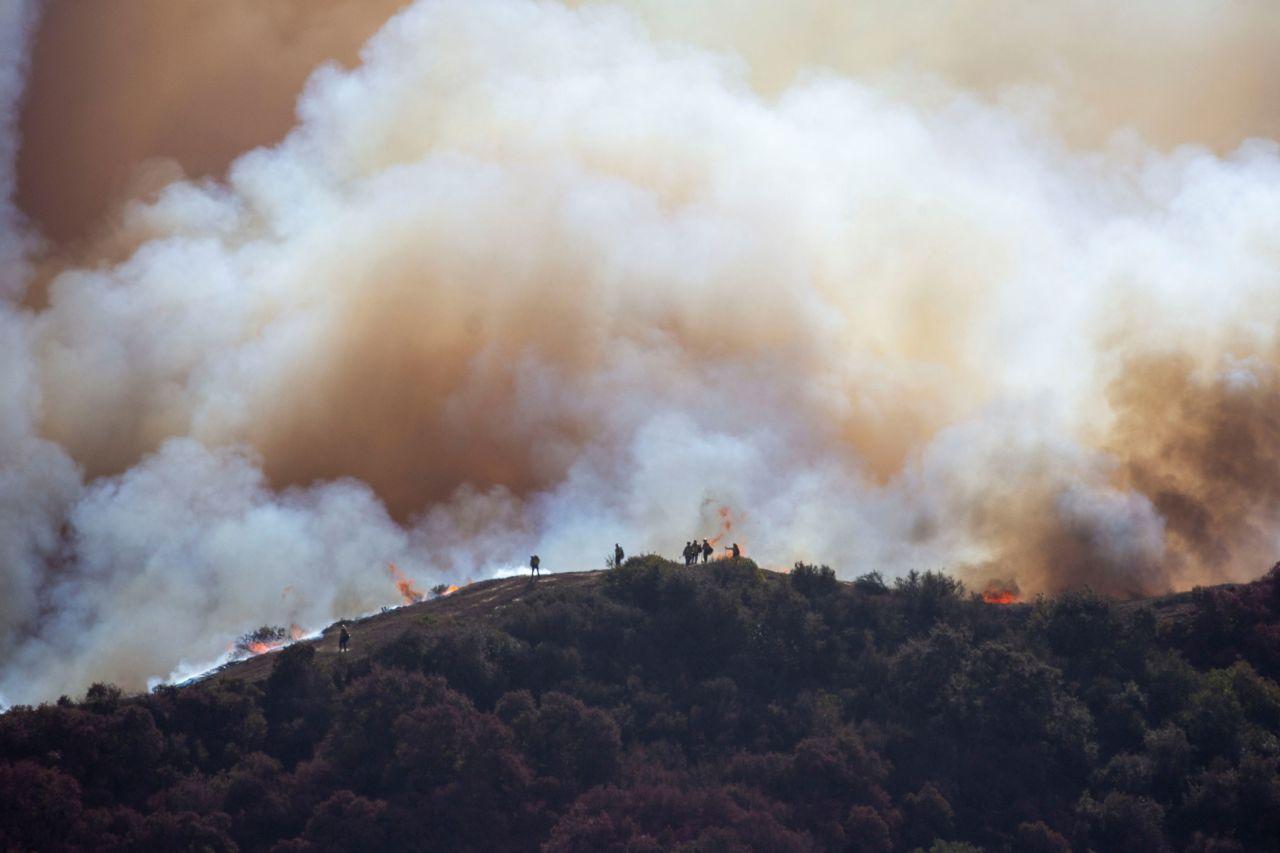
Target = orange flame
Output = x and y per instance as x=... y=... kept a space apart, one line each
x=726 y=527
x=726 y=524
x=266 y=639
x=1000 y=592
x=410 y=593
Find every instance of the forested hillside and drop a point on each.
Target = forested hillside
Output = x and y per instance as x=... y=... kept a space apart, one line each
x=656 y=707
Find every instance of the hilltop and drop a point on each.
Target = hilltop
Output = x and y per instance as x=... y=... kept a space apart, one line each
x=476 y=601
x=656 y=707
x=487 y=599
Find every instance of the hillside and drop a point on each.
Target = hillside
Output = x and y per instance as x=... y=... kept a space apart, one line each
x=487 y=599
x=475 y=601
x=656 y=707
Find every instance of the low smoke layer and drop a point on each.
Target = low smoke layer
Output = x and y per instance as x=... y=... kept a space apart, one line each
x=538 y=278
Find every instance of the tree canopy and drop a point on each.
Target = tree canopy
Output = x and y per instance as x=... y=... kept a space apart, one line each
x=713 y=708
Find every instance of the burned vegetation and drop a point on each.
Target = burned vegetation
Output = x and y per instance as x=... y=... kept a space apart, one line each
x=658 y=707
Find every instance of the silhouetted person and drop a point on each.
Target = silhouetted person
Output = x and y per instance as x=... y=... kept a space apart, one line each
x=737 y=552
x=617 y=555
x=344 y=637
x=706 y=550
x=535 y=566
x=688 y=550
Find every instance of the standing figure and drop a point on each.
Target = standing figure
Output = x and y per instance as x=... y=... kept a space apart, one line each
x=344 y=637
x=617 y=555
x=737 y=552
x=707 y=551
x=535 y=566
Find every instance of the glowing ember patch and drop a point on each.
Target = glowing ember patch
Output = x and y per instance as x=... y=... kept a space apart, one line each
x=410 y=593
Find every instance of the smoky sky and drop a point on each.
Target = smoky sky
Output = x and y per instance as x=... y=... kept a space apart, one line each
x=299 y=290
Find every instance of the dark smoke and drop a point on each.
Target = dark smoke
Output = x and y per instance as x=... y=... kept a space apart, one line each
x=1204 y=446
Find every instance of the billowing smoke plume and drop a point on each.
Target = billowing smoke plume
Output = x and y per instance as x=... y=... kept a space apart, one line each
x=534 y=277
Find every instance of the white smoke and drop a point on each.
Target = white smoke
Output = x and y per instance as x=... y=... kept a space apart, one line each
x=531 y=279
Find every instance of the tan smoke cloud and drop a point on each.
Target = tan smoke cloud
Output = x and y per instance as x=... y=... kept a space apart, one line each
x=533 y=278
x=194 y=84
x=1192 y=71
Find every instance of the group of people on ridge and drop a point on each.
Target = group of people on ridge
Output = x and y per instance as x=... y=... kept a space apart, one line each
x=693 y=549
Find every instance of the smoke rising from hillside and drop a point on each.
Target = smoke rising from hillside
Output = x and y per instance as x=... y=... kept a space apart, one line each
x=540 y=278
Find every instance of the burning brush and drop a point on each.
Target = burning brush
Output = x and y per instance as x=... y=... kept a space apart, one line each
x=1002 y=592
x=266 y=638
